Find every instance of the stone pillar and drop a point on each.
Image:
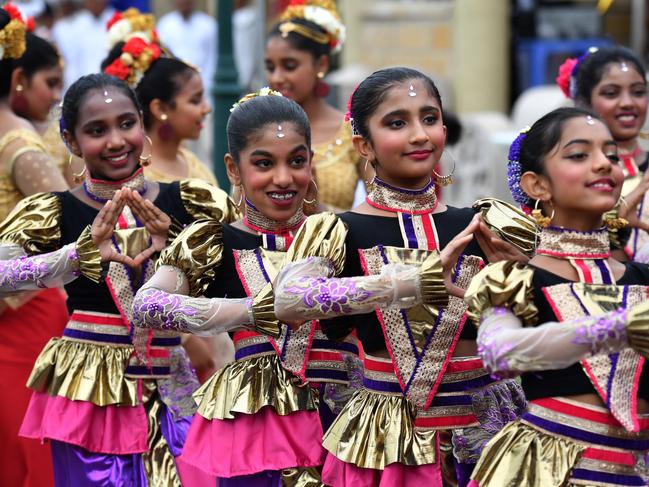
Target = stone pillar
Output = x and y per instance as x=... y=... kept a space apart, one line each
x=481 y=55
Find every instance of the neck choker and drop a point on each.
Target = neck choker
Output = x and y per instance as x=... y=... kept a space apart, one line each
x=565 y=243
x=102 y=191
x=258 y=222
x=386 y=197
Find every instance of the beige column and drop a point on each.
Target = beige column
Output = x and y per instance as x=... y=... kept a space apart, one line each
x=481 y=55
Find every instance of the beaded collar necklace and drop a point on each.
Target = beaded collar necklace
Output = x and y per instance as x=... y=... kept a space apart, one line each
x=414 y=209
x=390 y=198
x=275 y=235
x=572 y=244
x=101 y=191
x=586 y=251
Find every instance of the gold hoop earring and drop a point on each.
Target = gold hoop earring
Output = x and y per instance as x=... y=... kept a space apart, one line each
x=241 y=193
x=370 y=183
x=77 y=178
x=146 y=160
x=541 y=219
x=446 y=180
x=613 y=220
x=314 y=200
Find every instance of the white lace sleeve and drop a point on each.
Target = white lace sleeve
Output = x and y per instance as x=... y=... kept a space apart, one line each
x=23 y=273
x=163 y=303
x=507 y=348
x=304 y=290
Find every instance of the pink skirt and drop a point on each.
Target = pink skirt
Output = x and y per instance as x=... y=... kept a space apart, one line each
x=100 y=429
x=337 y=473
x=252 y=443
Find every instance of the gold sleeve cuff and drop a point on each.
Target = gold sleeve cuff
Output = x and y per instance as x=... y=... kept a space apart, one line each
x=89 y=256
x=433 y=290
x=509 y=223
x=197 y=252
x=637 y=328
x=205 y=201
x=507 y=284
x=34 y=224
x=321 y=235
x=263 y=312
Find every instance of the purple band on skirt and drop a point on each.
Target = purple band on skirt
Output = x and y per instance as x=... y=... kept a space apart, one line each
x=74 y=466
x=78 y=467
x=587 y=436
x=269 y=478
x=609 y=478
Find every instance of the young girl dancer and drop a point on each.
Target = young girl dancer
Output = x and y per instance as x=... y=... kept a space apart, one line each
x=298 y=55
x=114 y=402
x=257 y=422
x=422 y=375
x=566 y=321
x=611 y=82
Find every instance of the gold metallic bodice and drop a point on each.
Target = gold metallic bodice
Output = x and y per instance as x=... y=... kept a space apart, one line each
x=12 y=145
x=336 y=165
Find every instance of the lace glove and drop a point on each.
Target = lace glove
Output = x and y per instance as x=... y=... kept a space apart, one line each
x=163 y=303
x=507 y=348
x=304 y=290
x=24 y=273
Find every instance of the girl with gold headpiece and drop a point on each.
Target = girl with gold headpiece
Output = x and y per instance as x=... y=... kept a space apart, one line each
x=298 y=55
x=30 y=80
x=611 y=81
x=573 y=322
x=114 y=404
x=174 y=109
x=423 y=383
x=258 y=421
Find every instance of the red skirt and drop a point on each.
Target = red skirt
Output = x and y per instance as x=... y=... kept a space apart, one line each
x=23 y=334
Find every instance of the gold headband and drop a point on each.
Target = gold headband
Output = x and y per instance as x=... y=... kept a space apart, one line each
x=287 y=27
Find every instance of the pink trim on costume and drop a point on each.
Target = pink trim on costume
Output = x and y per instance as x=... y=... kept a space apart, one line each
x=459 y=421
x=109 y=284
x=555 y=253
x=252 y=443
x=95 y=319
x=342 y=474
x=114 y=430
x=240 y=273
x=610 y=456
x=397 y=210
x=448 y=358
x=634 y=395
x=464 y=365
x=584 y=363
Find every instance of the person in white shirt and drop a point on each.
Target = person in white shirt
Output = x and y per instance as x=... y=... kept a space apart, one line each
x=82 y=39
x=192 y=36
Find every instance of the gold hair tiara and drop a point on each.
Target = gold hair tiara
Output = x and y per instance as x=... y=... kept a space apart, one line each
x=287 y=27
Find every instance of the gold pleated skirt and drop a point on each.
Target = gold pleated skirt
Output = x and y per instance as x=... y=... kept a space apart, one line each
x=82 y=371
x=247 y=385
x=563 y=443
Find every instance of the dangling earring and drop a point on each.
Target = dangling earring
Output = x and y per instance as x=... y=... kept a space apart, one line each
x=315 y=199
x=146 y=160
x=617 y=222
x=321 y=88
x=19 y=103
x=446 y=180
x=370 y=183
x=165 y=131
x=77 y=178
x=241 y=195
x=541 y=219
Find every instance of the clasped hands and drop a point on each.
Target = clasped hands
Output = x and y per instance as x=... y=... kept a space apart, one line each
x=155 y=221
